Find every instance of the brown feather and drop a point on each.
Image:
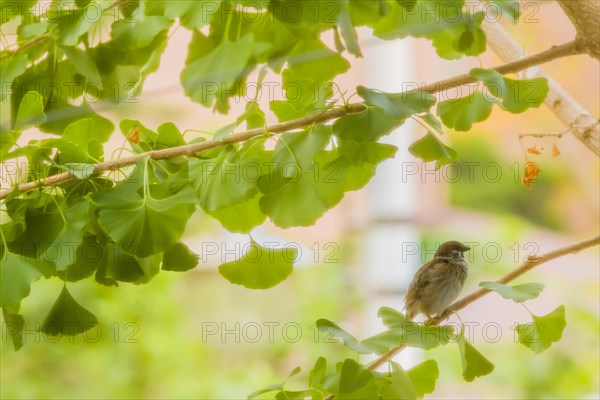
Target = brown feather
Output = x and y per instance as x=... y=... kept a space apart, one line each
x=438 y=282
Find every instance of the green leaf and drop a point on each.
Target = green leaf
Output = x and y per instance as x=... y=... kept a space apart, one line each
x=72 y=23
x=285 y=111
x=312 y=59
x=516 y=293
x=84 y=64
x=12 y=67
x=67 y=317
x=543 y=331
x=146 y=138
x=118 y=265
x=210 y=78
x=241 y=217
x=366 y=126
x=78 y=144
x=13 y=327
x=394 y=319
x=179 y=258
x=260 y=267
x=168 y=136
x=88 y=257
x=303 y=94
x=454 y=31
x=295 y=394
x=432 y=121
x=400 y=385
x=39 y=216
x=474 y=364
x=224 y=131
x=424 y=376
x=191 y=14
x=356 y=382
x=253 y=115
x=397 y=105
x=317 y=374
x=17 y=273
x=364 y=158
x=331 y=329
x=424 y=337
x=367 y=12
x=466 y=38
x=298 y=149
x=224 y=181
x=516 y=95
x=140 y=34
x=145 y=218
x=347 y=30
x=275 y=387
x=430 y=148
x=62 y=250
x=404 y=331
x=13 y=9
x=472 y=40
x=79 y=170
x=31 y=111
x=30 y=30
x=408 y=5
x=461 y=114
x=301 y=199
x=62 y=115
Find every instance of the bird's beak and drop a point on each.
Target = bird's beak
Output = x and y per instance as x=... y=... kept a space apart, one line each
x=465 y=248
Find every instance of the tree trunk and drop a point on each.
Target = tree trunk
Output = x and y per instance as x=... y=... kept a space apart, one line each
x=585 y=16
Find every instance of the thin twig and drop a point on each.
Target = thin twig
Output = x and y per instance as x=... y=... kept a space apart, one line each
x=528 y=265
x=542 y=135
x=189 y=149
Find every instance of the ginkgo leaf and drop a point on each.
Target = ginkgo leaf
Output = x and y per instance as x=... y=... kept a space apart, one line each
x=260 y=267
x=517 y=293
x=516 y=95
x=67 y=317
x=474 y=364
x=140 y=222
x=460 y=114
x=30 y=112
x=430 y=148
x=333 y=330
x=543 y=331
x=399 y=385
x=208 y=78
x=424 y=377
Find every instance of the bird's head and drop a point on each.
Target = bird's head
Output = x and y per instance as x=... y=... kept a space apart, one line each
x=452 y=249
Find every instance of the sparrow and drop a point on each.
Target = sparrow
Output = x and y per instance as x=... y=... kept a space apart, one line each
x=438 y=282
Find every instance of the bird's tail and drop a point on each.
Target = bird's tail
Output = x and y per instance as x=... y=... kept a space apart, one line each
x=410 y=314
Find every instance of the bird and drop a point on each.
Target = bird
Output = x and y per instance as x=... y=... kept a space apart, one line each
x=438 y=282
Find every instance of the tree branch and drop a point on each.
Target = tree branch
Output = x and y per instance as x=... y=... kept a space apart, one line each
x=558 y=101
x=528 y=265
x=553 y=53
x=585 y=16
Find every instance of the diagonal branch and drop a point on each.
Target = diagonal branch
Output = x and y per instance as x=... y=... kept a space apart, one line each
x=528 y=265
x=552 y=53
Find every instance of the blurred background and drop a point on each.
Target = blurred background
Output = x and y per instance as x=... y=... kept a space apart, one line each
x=195 y=335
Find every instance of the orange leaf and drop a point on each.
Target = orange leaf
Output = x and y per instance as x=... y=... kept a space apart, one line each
x=533 y=150
x=134 y=135
x=555 y=151
x=530 y=173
